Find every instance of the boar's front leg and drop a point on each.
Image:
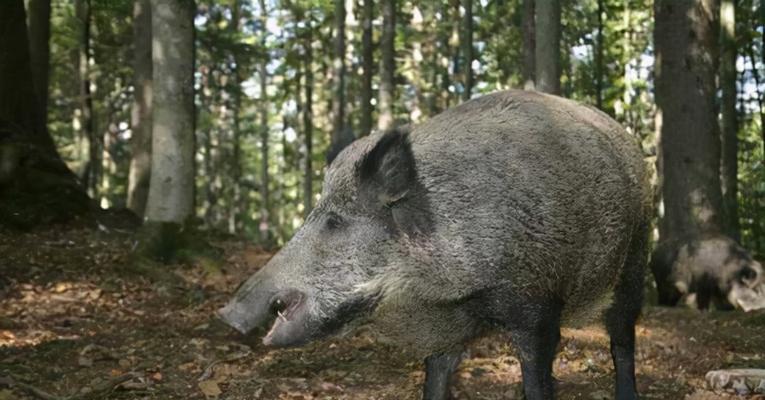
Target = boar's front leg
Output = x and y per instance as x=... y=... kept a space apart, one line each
x=439 y=368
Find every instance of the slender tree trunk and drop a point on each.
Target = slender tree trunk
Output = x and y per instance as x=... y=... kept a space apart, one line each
x=415 y=66
x=729 y=131
x=454 y=45
x=387 y=65
x=235 y=205
x=529 y=48
x=760 y=101
x=547 y=50
x=92 y=170
x=367 y=62
x=444 y=51
x=599 y=58
x=264 y=227
x=338 y=102
x=686 y=62
x=171 y=192
x=140 y=162
x=39 y=37
x=467 y=48
x=308 y=122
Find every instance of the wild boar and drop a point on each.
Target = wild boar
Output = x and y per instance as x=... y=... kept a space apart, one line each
x=517 y=210
x=714 y=268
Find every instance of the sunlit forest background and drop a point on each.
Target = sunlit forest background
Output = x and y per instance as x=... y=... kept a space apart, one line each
x=266 y=75
x=154 y=154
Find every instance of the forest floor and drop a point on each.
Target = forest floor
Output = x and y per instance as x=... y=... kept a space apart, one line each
x=78 y=322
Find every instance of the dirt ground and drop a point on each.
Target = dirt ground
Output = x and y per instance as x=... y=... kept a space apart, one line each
x=78 y=322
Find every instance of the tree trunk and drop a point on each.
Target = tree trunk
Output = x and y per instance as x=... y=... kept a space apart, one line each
x=35 y=185
x=264 y=227
x=467 y=48
x=599 y=58
x=91 y=173
x=171 y=191
x=387 y=65
x=338 y=102
x=235 y=167
x=529 y=48
x=367 y=62
x=547 y=50
x=689 y=145
x=729 y=128
x=39 y=37
x=140 y=162
x=308 y=122
x=18 y=105
x=760 y=101
x=414 y=65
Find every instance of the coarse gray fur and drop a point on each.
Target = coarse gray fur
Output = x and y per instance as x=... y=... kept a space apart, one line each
x=513 y=199
x=528 y=193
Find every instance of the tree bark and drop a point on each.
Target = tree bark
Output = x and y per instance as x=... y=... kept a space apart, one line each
x=141 y=125
x=547 y=49
x=599 y=58
x=39 y=37
x=171 y=192
x=91 y=173
x=467 y=48
x=338 y=102
x=760 y=101
x=264 y=227
x=387 y=65
x=729 y=127
x=529 y=48
x=35 y=184
x=367 y=62
x=686 y=37
x=308 y=122
x=17 y=94
x=235 y=163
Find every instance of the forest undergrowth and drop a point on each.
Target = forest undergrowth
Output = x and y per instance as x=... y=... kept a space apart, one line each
x=79 y=321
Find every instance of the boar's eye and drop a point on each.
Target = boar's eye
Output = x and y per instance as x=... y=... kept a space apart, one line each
x=333 y=221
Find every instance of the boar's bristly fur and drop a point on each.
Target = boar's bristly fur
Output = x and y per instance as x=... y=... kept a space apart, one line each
x=517 y=210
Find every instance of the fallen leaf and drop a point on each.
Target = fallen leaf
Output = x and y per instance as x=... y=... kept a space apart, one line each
x=210 y=388
x=84 y=361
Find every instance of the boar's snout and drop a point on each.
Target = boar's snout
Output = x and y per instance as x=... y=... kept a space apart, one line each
x=233 y=315
x=748 y=291
x=286 y=308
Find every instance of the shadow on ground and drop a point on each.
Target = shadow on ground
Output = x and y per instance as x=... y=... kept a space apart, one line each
x=76 y=320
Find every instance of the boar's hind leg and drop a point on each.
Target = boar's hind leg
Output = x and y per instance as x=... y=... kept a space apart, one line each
x=439 y=369
x=536 y=332
x=621 y=319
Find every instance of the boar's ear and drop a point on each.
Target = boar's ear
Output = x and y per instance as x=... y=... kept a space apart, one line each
x=388 y=172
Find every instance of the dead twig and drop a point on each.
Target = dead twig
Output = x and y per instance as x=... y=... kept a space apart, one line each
x=209 y=369
x=107 y=386
x=104 y=387
x=29 y=389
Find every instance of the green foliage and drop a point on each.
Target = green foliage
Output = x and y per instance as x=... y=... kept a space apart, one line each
x=234 y=39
